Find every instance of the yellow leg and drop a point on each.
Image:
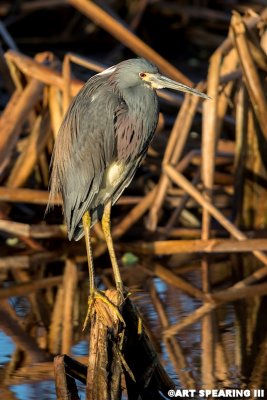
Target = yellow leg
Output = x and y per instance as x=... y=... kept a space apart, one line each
x=93 y=293
x=109 y=241
x=86 y=227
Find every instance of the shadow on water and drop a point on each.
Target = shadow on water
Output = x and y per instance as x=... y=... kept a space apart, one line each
x=226 y=348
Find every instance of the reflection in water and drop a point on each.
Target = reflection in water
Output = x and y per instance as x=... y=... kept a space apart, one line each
x=33 y=391
x=225 y=348
x=7 y=347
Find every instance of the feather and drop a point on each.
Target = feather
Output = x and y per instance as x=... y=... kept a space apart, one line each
x=109 y=123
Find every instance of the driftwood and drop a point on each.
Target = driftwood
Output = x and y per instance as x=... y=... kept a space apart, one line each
x=117 y=344
x=66 y=387
x=105 y=343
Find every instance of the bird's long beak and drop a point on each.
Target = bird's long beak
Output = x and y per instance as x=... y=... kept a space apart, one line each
x=158 y=81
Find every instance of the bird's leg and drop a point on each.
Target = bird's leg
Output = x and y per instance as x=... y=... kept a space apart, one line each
x=93 y=293
x=109 y=241
x=87 y=226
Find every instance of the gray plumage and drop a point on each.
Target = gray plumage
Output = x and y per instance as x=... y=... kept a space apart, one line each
x=111 y=119
x=103 y=137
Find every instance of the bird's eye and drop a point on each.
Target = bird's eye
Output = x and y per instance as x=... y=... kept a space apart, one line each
x=142 y=74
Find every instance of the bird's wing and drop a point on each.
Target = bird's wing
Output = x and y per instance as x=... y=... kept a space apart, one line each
x=84 y=147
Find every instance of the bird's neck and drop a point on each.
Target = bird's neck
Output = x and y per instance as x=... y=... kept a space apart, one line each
x=137 y=123
x=140 y=98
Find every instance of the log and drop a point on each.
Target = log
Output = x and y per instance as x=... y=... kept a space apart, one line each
x=66 y=388
x=35 y=196
x=105 y=344
x=29 y=287
x=210 y=246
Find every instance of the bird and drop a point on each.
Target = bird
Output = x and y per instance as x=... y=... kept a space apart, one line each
x=104 y=136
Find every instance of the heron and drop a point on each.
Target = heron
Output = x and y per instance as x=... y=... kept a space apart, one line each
x=104 y=136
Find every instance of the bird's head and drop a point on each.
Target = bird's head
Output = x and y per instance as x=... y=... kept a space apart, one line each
x=140 y=72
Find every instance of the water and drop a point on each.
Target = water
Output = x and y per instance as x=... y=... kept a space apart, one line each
x=225 y=349
x=33 y=391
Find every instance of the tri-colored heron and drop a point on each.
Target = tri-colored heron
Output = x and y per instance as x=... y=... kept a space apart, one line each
x=102 y=140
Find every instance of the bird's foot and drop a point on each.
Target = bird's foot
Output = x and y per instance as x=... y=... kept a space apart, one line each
x=104 y=306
